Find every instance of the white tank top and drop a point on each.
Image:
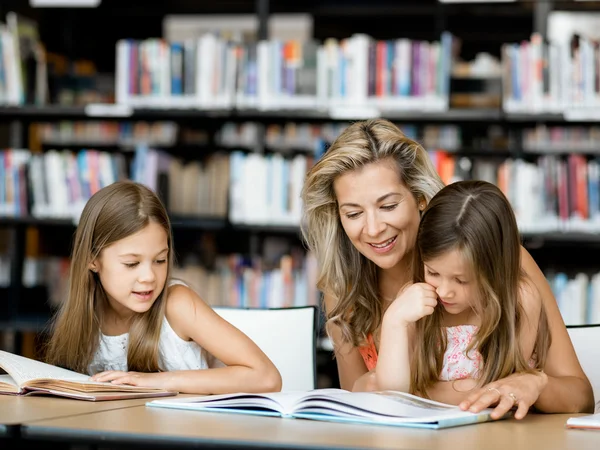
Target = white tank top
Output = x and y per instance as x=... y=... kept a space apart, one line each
x=174 y=352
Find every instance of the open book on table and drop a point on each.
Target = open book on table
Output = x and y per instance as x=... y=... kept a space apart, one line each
x=589 y=422
x=336 y=405
x=27 y=376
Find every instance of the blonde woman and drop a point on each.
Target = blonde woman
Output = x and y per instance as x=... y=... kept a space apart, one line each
x=363 y=201
x=126 y=322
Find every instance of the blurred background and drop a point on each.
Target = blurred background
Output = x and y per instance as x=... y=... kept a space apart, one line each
x=218 y=105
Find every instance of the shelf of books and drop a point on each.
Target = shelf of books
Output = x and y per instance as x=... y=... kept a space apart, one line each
x=217 y=126
x=551 y=81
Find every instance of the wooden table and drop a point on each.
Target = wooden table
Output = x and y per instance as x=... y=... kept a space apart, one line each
x=156 y=427
x=15 y=410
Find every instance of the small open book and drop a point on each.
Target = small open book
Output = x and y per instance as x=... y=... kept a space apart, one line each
x=27 y=376
x=336 y=405
x=589 y=422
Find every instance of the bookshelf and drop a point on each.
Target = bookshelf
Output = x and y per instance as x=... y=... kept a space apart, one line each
x=474 y=124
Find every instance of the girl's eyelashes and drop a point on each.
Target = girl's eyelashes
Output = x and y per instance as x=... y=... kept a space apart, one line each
x=352 y=215
x=132 y=265
x=435 y=274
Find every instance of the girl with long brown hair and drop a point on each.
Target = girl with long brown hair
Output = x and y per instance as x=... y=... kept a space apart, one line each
x=472 y=316
x=126 y=321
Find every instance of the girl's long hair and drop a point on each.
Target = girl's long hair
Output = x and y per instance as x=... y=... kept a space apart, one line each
x=343 y=271
x=476 y=219
x=111 y=214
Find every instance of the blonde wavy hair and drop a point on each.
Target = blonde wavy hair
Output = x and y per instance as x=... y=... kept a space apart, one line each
x=111 y=214
x=475 y=218
x=343 y=271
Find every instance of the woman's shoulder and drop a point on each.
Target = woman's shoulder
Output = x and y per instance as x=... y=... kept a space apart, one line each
x=530 y=297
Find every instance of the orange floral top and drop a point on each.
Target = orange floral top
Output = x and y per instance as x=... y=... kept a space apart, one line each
x=369 y=353
x=457 y=363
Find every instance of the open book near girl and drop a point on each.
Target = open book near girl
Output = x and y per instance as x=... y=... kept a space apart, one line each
x=336 y=405
x=27 y=376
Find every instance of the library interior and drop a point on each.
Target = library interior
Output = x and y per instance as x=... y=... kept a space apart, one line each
x=222 y=109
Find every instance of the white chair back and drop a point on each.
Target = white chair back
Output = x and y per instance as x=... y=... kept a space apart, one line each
x=288 y=337
x=586 y=340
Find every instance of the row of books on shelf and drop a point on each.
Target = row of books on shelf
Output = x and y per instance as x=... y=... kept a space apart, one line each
x=548 y=77
x=259 y=282
x=188 y=188
x=283 y=281
x=578 y=297
x=93 y=132
x=288 y=136
x=248 y=188
x=547 y=139
x=309 y=137
x=215 y=72
x=58 y=183
x=552 y=194
x=315 y=137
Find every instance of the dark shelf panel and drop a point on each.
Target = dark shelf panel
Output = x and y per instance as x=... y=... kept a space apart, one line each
x=526 y=117
x=566 y=238
x=112 y=112
x=33 y=324
x=105 y=112
x=275 y=229
x=204 y=223
x=177 y=221
x=121 y=113
x=35 y=221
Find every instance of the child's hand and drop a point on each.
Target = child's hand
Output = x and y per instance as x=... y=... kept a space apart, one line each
x=416 y=301
x=152 y=380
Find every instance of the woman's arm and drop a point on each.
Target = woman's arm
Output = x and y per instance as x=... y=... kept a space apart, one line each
x=562 y=388
x=247 y=368
x=352 y=371
x=568 y=389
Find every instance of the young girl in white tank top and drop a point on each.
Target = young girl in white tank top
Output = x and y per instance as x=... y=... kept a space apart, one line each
x=126 y=321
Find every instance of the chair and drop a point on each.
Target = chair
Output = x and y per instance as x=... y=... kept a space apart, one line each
x=585 y=339
x=288 y=336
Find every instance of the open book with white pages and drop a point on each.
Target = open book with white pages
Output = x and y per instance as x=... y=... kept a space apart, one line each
x=27 y=376
x=337 y=405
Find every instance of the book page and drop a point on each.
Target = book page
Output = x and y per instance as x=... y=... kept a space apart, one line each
x=23 y=369
x=378 y=405
x=282 y=402
x=7 y=384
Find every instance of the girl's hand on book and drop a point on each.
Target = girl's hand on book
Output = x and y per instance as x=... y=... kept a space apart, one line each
x=416 y=301
x=152 y=380
x=519 y=390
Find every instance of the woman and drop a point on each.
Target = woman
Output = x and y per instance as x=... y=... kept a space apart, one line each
x=363 y=201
